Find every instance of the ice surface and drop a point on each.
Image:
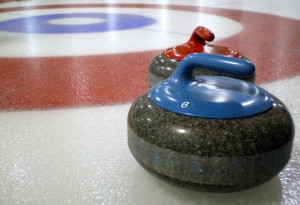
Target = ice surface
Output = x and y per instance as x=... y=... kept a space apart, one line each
x=80 y=156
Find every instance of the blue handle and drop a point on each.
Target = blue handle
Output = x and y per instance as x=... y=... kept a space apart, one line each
x=212 y=62
x=212 y=96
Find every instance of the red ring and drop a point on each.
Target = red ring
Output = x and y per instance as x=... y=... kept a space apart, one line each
x=271 y=42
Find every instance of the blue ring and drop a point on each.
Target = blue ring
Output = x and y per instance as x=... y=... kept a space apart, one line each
x=39 y=24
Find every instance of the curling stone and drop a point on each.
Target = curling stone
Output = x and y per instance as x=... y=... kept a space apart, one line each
x=210 y=133
x=164 y=64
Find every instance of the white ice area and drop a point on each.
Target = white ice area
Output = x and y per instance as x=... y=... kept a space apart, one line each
x=80 y=156
x=169 y=30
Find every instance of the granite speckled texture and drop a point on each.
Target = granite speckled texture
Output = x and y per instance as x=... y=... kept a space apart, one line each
x=215 y=155
x=161 y=67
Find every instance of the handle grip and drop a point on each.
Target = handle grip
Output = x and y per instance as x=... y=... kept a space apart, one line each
x=202 y=33
x=212 y=62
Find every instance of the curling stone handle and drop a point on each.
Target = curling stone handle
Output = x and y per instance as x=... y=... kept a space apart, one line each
x=212 y=62
x=201 y=35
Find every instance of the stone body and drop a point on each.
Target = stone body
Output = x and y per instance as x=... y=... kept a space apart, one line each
x=214 y=155
x=161 y=67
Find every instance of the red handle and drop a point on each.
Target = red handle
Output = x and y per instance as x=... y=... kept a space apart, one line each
x=201 y=33
x=197 y=44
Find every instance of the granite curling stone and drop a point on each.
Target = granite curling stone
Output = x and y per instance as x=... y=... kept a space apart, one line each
x=164 y=64
x=210 y=133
